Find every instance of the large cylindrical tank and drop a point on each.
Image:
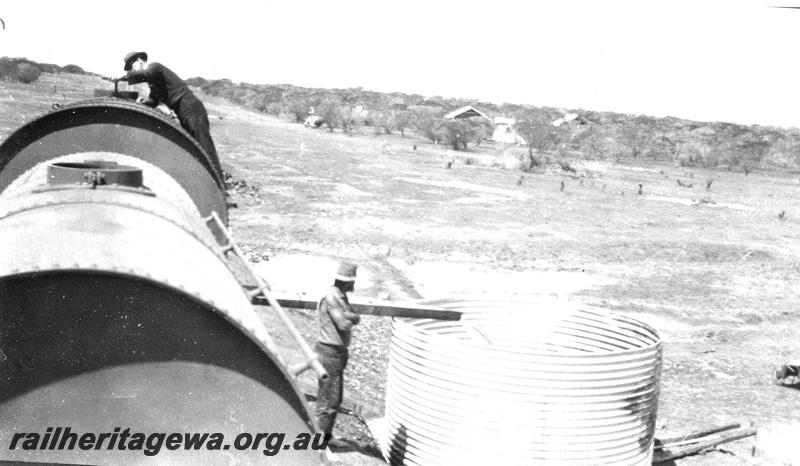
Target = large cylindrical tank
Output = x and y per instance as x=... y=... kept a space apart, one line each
x=521 y=383
x=118 y=127
x=118 y=308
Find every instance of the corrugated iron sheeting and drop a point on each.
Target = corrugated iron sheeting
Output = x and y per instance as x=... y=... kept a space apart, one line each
x=521 y=382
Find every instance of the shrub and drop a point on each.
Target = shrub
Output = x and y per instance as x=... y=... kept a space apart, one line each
x=273 y=108
x=8 y=69
x=74 y=69
x=688 y=159
x=49 y=68
x=28 y=73
x=532 y=162
x=710 y=160
x=19 y=70
x=196 y=81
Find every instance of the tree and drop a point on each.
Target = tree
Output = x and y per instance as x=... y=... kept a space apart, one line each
x=662 y=147
x=483 y=129
x=382 y=122
x=635 y=139
x=638 y=134
x=538 y=136
x=746 y=153
x=298 y=108
x=457 y=133
x=329 y=111
x=402 y=120
x=347 y=119
x=427 y=123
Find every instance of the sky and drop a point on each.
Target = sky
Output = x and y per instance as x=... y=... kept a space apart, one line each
x=709 y=60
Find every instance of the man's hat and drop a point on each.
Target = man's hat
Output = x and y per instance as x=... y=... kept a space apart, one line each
x=132 y=57
x=346 y=272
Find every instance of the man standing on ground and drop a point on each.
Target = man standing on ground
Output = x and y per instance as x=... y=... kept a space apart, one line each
x=167 y=88
x=335 y=319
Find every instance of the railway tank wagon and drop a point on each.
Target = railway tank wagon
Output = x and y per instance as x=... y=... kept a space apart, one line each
x=118 y=305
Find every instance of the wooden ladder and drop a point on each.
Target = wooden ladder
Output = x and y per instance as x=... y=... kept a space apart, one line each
x=262 y=291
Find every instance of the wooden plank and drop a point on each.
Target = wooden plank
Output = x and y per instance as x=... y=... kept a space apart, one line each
x=377 y=307
x=730 y=436
x=365 y=306
x=665 y=442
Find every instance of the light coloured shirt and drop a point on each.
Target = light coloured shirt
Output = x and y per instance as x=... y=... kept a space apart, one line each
x=329 y=333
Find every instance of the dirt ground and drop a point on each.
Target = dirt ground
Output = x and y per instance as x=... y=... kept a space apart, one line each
x=715 y=271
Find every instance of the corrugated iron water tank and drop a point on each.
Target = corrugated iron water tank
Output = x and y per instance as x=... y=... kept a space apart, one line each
x=521 y=383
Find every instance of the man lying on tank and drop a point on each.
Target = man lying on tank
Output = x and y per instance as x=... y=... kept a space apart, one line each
x=335 y=320
x=169 y=89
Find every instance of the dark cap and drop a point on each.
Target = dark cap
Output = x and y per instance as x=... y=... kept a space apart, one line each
x=132 y=57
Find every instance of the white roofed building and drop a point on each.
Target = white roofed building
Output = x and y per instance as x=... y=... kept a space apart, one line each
x=504 y=131
x=466 y=112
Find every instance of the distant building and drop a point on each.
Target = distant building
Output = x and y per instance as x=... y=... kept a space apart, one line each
x=314 y=121
x=466 y=112
x=504 y=131
x=503 y=127
x=565 y=119
x=398 y=104
x=359 y=113
x=572 y=118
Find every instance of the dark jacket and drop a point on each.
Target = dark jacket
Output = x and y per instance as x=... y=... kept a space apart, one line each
x=165 y=86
